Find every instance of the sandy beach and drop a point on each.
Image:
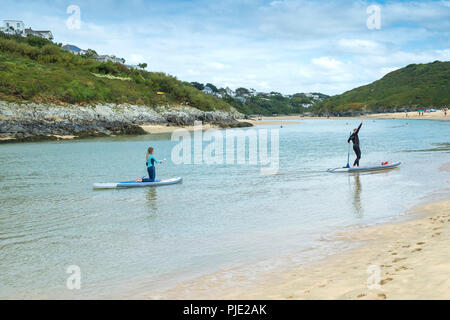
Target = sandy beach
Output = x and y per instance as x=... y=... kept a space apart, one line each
x=438 y=115
x=407 y=258
x=155 y=128
x=292 y=119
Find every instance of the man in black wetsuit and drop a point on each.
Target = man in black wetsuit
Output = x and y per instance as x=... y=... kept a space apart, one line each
x=355 y=139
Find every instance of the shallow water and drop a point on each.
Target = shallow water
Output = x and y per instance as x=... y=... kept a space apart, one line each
x=133 y=240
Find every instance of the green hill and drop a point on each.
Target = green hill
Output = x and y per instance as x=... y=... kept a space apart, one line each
x=248 y=101
x=417 y=85
x=270 y=103
x=37 y=70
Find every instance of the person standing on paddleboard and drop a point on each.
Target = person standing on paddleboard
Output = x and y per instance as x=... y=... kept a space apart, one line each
x=150 y=161
x=355 y=139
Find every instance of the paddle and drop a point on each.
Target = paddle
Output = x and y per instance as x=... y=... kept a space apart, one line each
x=348 y=155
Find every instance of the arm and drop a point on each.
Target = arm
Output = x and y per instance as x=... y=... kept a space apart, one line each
x=357 y=130
x=153 y=157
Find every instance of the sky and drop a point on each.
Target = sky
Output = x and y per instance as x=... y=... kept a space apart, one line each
x=327 y=46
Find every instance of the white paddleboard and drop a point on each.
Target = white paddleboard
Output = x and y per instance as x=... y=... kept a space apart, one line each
x=362 y=169
x=134 y=184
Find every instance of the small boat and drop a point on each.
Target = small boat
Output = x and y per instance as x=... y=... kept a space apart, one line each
x=362 y=169
x=134 y=184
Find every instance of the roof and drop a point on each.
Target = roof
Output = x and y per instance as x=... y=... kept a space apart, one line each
x=38 y=31
x=71 y=47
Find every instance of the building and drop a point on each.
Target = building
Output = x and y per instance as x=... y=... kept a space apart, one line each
x=47 y=34
x=106 y=58
x=116 y=59
x=208 y=90
x=73 y=49
x=17 y=27
x=13 y=27
x=229 y=92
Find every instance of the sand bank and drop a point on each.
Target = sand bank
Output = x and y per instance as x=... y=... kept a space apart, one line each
x=272 y=122
x=400 y=260
x=156 y=128
x=438 y=115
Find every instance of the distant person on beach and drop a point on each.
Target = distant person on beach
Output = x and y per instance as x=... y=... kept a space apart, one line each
x=150 y=161
x=445 y=111
x=355 y=139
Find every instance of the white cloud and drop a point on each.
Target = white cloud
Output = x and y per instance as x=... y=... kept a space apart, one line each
x=135 y=58
x=217 y=65
x=360 y=46
x=327 y=63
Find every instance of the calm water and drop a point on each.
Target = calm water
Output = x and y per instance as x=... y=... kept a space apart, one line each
x=129 y=242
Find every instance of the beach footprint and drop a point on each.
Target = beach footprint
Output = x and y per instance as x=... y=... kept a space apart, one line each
x=384 y=281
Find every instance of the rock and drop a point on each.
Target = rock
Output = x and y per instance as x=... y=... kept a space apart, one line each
x=29 y=121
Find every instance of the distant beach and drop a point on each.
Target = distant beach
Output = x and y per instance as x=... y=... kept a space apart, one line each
x=289 y=119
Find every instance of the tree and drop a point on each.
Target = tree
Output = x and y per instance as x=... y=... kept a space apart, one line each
x=212 y=87
x=240 y=92
x=198 y=85
x=142 y=65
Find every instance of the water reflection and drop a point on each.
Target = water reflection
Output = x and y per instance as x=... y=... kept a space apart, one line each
x=152 y=197
x=357 y=196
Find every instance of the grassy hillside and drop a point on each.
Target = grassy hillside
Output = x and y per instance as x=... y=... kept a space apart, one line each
x=270 y=104
x=35 y=69
x=248 y=101
x=417 y=85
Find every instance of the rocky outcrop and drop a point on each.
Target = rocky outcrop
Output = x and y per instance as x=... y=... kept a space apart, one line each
x=31 y=121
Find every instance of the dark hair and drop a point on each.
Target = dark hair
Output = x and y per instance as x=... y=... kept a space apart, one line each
x=150 y=150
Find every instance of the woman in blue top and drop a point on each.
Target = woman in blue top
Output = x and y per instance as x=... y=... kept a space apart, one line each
x=150 y=161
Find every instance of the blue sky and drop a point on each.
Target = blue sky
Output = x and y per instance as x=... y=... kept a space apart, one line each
x=285 y=46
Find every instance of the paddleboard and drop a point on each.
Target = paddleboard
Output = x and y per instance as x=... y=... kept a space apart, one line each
x=134 y=184
x=362 y=169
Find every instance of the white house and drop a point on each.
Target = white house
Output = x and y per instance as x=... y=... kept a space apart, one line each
x=208 y=90
x=229 y=92
x=47 y=34
x=106 y=58
x=13 y=27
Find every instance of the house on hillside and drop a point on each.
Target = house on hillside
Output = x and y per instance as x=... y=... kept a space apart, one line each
x=47 y=34
x=73 y=49
x=16 y=27
x=106 y=58
x=208 y=90
x=229 y=92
